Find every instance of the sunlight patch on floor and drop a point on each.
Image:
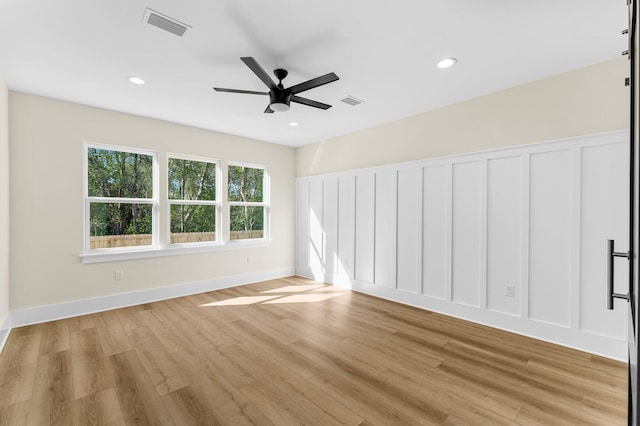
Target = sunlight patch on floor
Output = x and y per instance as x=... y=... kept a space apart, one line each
x=296 y=288
x=303 y=298
x=244 y=300
x=308 y=293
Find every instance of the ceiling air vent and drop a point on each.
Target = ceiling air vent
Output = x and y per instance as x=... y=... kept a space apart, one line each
x=164 y=22
x=350 y=100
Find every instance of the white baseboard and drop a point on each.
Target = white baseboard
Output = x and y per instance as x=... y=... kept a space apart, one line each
x=5 y=329
x=38 y=314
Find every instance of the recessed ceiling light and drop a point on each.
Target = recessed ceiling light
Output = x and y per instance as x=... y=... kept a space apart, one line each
x=447 y=62
x=136 y=80
x=293 y=124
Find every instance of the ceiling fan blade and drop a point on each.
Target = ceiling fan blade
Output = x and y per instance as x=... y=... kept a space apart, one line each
x=248 y=92
x=259 y=71
x=268 y=110
x=309 y=102
x=314 y=82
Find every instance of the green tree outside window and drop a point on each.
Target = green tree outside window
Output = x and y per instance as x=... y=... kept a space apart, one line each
x=120 y=194
x=246 y=202
x=192 y=199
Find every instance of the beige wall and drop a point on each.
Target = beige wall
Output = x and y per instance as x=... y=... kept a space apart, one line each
x=46 y=141
x=4 y=202
x=581 y=102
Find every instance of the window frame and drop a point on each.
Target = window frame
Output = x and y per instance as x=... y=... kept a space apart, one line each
x=266 y=204
x=218 y=240
x=161 y=215
x=88 y=200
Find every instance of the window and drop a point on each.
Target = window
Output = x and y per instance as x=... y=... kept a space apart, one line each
x=193 y=203
x=247 y=195
x=120 y=198
x=125 y=218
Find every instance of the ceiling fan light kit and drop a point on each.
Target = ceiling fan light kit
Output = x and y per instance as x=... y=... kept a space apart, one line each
x=279 y=96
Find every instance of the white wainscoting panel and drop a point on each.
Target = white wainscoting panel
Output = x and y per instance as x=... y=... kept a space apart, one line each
x=330 y=225
x=513 y=238
x=466 y=221
x=316 y=229
x=344 y=272
x=504 y=234
x=436 y=259
x=601 y=215
x=302 y=234
x=385 y=230
x=409 y=230
x=365 y=227
x=550 y=237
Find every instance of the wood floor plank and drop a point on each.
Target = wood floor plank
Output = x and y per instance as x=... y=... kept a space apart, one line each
x=280 y=407
x=370 y=404
x=82 y=322
x=55 y=337
x=17 y=384
x=130 y=316
x=15 y=414
x=164 y=372
x=24 y=349
x=18 y=366
x=90 y=372
x=101 y=408
x=187 y=407
x=189 y=326
x=221 y=396
x=450 y=396
x=267 y=353
x=137 y=397
x=227 y=361
x=112 y=334
x=53 y=389
x=309 y=330
x=323 y=407
x=295 y=351
x=167 y=334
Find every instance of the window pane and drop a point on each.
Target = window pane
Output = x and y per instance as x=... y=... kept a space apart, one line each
x=245 y=184
x=192 y=223
x=119 y=174
x=191 y=180
x=119 y=225
x=246 y=222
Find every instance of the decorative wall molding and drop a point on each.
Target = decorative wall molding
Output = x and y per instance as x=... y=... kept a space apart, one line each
x=457 y=234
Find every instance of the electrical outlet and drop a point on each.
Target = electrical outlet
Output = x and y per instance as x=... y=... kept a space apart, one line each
x=511 y=291
x=249 y=259
x=118 y=275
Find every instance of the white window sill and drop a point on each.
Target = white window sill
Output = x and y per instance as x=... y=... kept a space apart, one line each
x=114 y=255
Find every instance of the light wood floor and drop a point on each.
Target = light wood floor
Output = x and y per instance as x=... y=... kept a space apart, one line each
x=292 y=352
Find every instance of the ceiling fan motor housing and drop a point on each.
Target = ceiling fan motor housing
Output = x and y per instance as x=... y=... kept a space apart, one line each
x=279 y=100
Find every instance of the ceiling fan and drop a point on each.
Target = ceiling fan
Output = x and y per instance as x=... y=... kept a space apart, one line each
x=279 y=97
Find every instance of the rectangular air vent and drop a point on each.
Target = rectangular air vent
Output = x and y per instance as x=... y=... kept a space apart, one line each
x=350 y=100
x=164 y=22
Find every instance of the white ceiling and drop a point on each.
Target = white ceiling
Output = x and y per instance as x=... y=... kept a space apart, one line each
x=383 y=51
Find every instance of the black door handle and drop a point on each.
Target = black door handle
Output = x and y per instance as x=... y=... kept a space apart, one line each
x=611 y=255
